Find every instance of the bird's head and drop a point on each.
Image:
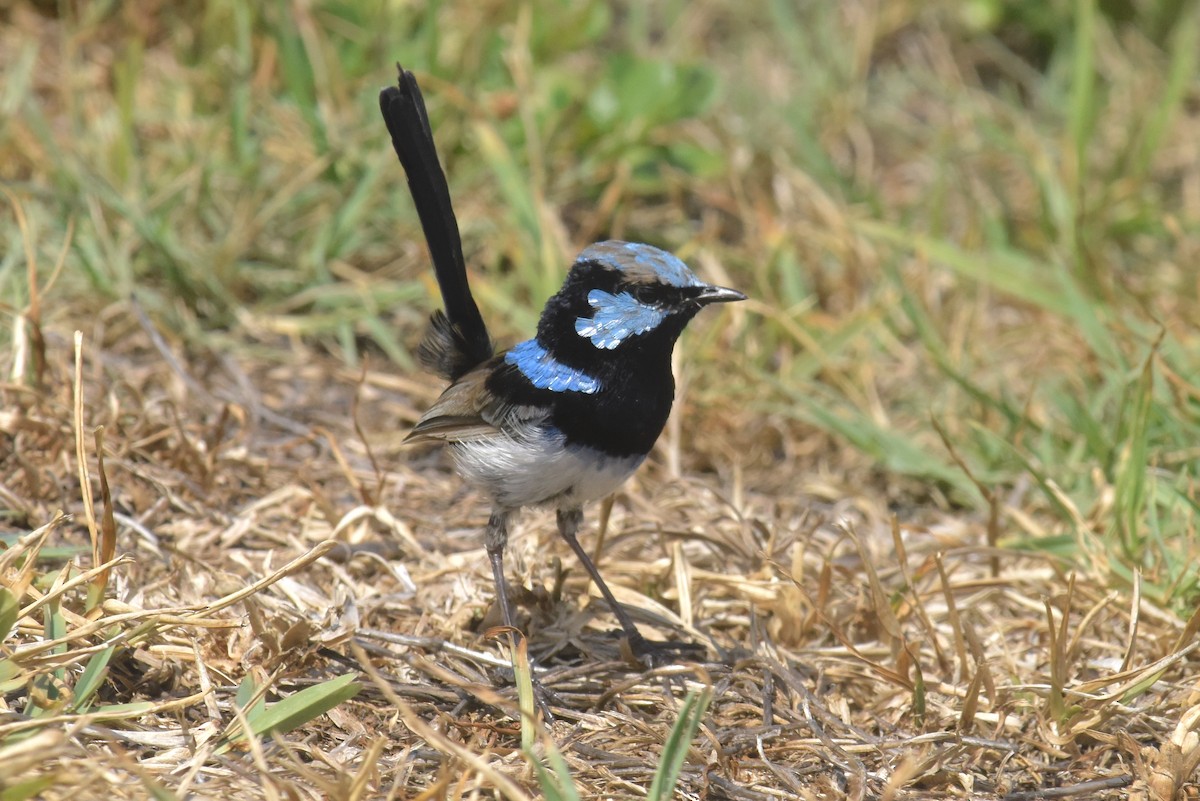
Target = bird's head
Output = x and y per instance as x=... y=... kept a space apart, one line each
x=622 y=296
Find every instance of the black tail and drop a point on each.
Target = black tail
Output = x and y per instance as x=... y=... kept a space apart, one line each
x=457 y=340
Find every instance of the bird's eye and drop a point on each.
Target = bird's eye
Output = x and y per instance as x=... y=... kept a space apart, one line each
x=647 y=294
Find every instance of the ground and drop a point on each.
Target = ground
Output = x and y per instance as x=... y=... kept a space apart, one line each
x=928 y=498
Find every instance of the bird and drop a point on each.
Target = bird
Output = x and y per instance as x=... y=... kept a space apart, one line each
x=563 y=418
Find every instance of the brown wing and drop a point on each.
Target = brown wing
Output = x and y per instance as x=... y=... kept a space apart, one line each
x=465 y=411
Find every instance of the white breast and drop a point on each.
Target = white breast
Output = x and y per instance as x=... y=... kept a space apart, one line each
x=536 y=467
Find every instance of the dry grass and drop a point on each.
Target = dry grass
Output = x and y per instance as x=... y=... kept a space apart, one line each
x=956 y=670
x=929 y=497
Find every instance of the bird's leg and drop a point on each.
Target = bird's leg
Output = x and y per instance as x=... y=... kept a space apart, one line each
x=651 y=653
x=495 y=539
x=568 y=527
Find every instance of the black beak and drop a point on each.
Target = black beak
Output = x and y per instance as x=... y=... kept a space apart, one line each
x=718 y=294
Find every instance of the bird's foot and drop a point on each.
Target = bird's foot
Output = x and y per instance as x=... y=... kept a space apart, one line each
x=656 y=654
x=544 y=697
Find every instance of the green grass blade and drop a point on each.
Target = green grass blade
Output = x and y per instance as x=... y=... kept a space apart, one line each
x=538 y=270
x=296 y=67
x=18 y=80
x=301 y=707
x=31 y=788
x=675 y=751
x=9 y=608
x=246 y=691
x=48 y=696
x=1184 y=50
x=120 y=711
x=91 y=679
x=1082 y=111
x=523 y=675
x=1130 y=480
x=556 y=781
x=11 y=677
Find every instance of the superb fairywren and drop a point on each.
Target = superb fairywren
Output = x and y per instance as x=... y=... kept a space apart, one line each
x=563 y=418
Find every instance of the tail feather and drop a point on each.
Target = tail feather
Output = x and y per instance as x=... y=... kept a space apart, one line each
x=457 y=340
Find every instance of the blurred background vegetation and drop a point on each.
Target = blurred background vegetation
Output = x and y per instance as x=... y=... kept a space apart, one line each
x=970 y=229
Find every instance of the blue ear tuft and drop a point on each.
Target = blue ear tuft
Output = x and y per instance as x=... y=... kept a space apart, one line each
x=617 y=317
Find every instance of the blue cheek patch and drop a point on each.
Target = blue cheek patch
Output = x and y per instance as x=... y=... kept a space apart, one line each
x=546 y=372
x=617 y=318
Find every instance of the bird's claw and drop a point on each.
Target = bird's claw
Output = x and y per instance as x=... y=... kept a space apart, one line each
x=544 y=697
x=656 y=654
